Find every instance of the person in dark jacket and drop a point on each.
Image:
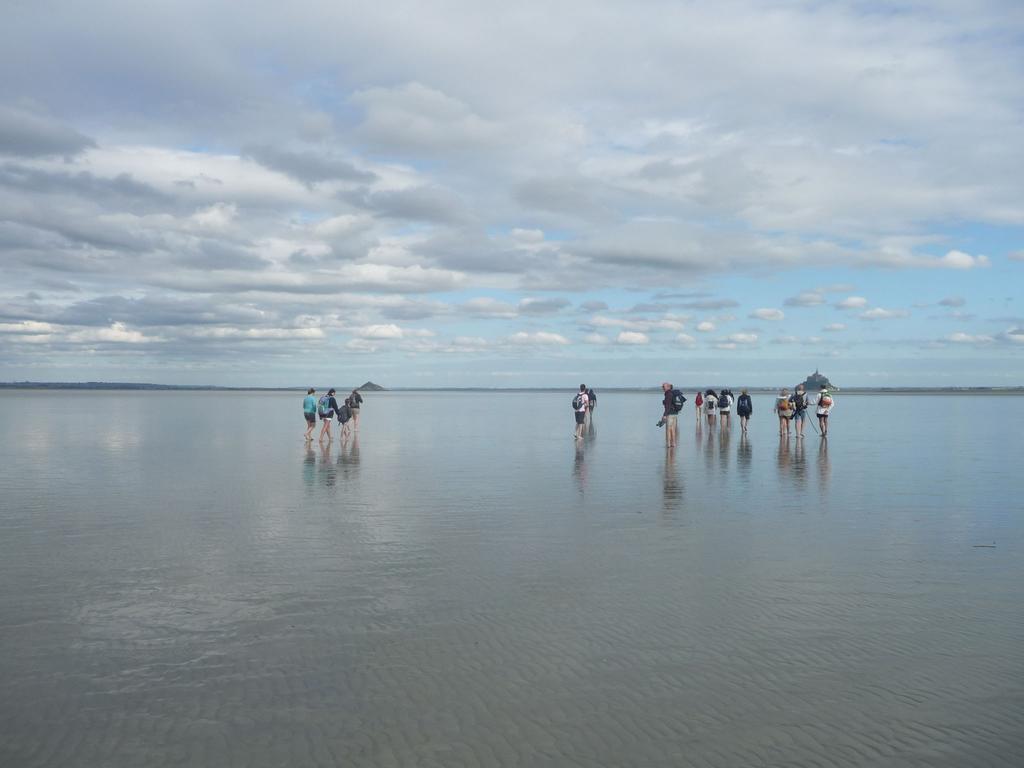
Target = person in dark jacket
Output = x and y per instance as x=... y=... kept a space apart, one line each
x=328 y=406
x=355 y=401
x=744 y=408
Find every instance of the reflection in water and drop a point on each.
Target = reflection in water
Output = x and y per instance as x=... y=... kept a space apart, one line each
x=309 y=466
x=782 y=456
x=744 y=455
x=723 y=449
x=348 y=457
x=799 y=464
x=672 y=487
x=590 y=431
x=709 y=453
x=579 y=468
x=824 y=467
x=328 y=472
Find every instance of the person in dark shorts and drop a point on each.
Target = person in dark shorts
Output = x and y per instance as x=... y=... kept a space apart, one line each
x=744 y=409
x=799 y=409
x=591 y=402
x=579 y=407
x=309 y=411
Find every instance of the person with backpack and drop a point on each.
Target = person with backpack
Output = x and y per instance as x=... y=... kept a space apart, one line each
x=782 y=410
x=355 y=401
x=309 y=411
x=724 y=408
x=326 y=407
x=744 y=409
x=710 y=404
x=825 y=403
x=579 y=408
x=672 y=404
x=345 y=417
x=799 y=409
x=591 y=402
x=698 y=406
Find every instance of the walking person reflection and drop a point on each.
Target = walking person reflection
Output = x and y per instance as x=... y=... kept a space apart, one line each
x=744 y=455
x=782 y=456
x=672 y=489
x=824 y=467
x=579 y=468
x=799 y=465
x=348 y=457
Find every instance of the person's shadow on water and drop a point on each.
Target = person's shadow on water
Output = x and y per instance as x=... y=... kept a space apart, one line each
x=328 y=471
x=800 y=465
x=309 y=466
x=579 y=468
x=348 y=457
x=824 y=466
x=782 y=456
x=744 y=456
x=671 y=487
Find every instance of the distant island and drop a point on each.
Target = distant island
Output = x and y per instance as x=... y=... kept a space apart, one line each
x=816 y=381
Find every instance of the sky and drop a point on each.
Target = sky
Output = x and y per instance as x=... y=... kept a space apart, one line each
x=722 y=193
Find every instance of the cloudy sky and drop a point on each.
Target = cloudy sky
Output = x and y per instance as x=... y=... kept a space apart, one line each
x=510 y=194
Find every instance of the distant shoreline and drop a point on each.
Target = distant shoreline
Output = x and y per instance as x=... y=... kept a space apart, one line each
x=146 y=387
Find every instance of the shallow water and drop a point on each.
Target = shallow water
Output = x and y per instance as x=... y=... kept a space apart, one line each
x=182 y=582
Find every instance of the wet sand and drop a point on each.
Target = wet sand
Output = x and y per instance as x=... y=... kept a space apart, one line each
x=182 y=590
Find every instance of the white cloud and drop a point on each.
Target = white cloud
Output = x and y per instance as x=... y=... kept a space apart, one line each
x=961 y=260
x=686 y=340
x=631 y=337
x=539 y=337
x=256 y=334
x=705 y=326
x=1016 y=256
x=805 y=299
x=741 y=339
x=966 y=338
x=767 y=314
x=835 y=327
x=117 y=333
x=852 y=302
x=1014 y=335
x=880 y=313
x=596 y=338
x=390 y=331
x=953 y=301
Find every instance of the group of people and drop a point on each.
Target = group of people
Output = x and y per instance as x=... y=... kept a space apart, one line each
x=327 y=408
x=791 y=409
x=583 y=405
x=712 y=405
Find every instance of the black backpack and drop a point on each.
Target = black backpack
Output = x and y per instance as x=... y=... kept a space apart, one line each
x=591 y=396
x=677 y=400
x=799 y=401
x=577 y=402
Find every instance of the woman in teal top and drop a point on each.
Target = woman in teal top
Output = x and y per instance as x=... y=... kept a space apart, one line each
x=309 y=411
